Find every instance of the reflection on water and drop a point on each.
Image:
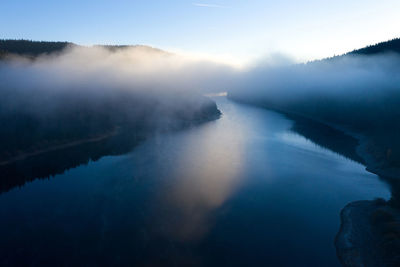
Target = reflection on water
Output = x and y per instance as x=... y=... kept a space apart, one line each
x=206 y=173
x=327 y=137
x=58 y=161
x=242 y=190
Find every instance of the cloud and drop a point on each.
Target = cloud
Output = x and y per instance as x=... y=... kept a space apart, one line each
x=209 y=5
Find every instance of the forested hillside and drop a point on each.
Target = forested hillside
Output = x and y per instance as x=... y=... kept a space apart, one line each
x=392 y=46
x=359 y=91
x=36 y=48
x=86 y=93
x=31 y=48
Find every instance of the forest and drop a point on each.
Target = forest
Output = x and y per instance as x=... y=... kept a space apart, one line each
x=31 y=48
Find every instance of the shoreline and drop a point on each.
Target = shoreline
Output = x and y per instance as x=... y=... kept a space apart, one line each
x=26 y=155
x=369 y=233
x=117 y=130
x=371 y=162
x=350 y=240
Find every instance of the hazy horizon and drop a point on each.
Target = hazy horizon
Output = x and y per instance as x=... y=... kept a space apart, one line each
x=235 y=32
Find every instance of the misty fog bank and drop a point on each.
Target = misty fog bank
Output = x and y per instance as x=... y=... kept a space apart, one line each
x=361 y=92
x=83 y=92
x=357 y=92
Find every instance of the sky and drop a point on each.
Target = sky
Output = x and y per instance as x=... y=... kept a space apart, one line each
x=237 y=31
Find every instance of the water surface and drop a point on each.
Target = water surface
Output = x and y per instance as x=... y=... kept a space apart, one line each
x=244 y=189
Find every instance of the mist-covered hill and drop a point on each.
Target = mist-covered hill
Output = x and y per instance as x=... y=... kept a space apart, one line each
x=359 y=91
x=71 y=94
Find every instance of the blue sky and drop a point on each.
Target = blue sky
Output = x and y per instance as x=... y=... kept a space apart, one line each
x=237 y=30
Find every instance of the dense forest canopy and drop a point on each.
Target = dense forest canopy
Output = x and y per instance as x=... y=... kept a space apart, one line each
x=392 y=46
x=31 y=48
x=388 y=47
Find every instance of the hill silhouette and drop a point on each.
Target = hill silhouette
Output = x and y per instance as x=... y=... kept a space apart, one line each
x=391 y=46
x=33 y=49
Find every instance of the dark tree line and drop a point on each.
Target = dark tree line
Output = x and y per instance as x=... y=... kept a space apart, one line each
x=31 y=48
x=392 y=46
x=35 y=48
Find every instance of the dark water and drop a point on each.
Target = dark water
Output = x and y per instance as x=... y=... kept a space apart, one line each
x=244 y=189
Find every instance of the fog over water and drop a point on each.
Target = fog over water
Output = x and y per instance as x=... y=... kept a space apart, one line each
x=364 y=86
x=244 y=189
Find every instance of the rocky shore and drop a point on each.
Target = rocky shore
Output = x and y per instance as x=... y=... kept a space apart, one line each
x=369 y=234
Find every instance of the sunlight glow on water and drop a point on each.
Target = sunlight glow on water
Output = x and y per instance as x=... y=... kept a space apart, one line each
x=207 y=173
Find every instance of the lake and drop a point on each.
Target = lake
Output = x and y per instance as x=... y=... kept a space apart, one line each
x=241 y=190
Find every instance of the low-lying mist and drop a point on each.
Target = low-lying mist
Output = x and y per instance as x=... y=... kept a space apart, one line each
x=82 y=92
x=100 y=70
x=358 y=91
